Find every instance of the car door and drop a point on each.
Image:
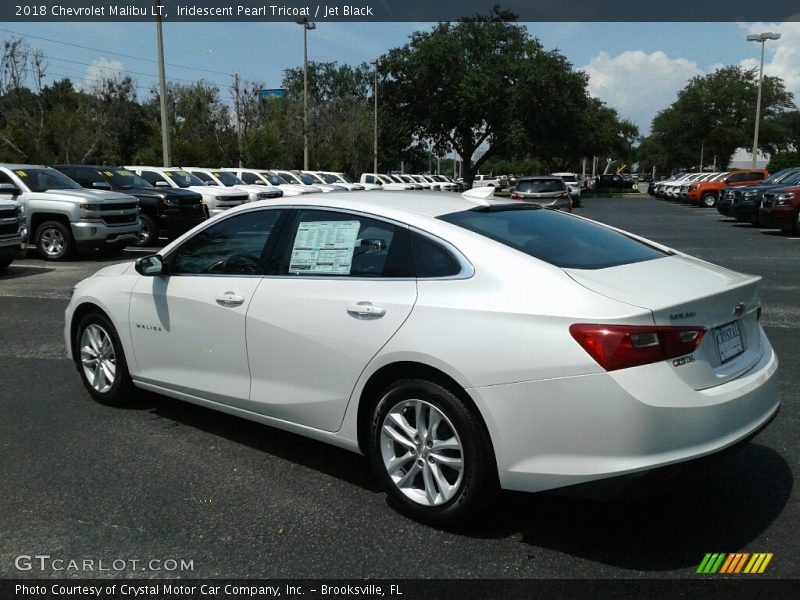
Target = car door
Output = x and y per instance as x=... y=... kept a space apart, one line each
x=345 y=285
x=188 y=326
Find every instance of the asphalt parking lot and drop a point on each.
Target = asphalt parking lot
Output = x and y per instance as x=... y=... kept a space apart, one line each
x=169 y=480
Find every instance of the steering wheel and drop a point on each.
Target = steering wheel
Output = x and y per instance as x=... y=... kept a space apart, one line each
x=239 y=264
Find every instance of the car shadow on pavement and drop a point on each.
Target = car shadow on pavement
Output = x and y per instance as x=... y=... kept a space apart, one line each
x=663 y=525
x=19 y=271
x=336 y=462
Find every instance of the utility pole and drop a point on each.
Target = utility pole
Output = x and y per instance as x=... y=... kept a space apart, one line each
x=162 y=84
x=702 y=147
x=762 y=39
x=237 y=107
x=307 y=26
x=375 y=138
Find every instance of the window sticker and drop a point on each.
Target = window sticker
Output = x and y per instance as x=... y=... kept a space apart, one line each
x=324 y=247
x=108 y=173
x=124 y=172
x=21 y=173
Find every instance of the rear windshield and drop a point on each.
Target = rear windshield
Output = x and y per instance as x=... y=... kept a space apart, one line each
x=540 y=185
x=554 y=237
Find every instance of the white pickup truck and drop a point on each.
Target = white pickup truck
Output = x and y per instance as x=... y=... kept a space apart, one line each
x=13 y=231
x=62 y=217
x=490 y=181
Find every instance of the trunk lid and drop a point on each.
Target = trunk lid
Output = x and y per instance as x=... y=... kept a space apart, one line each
x=681 y=291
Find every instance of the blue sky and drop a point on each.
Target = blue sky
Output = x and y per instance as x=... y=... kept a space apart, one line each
x=635 y=67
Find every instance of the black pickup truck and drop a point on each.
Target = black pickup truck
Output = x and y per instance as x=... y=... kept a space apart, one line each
x=165 y=211
x=613 y=182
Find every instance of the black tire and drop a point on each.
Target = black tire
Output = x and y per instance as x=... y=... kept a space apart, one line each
x=149 y=234
x=708 y=200
x=54 y=241
x=120 y=392
x=478 y=481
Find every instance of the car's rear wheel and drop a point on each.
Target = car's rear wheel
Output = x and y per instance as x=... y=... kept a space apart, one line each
x=101 y=361
x=708 y=200
x=431 y=452
x=54 y=241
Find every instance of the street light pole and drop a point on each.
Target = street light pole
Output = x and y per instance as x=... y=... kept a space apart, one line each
x=762 y=39
x=307 y=26
x=162 y=86
x=375 y=137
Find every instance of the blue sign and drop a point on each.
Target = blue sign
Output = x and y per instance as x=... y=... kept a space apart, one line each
x=276 y=93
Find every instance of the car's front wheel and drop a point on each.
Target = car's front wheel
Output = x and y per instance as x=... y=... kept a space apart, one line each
x=101 y=361
x=431 y=452
x=149 y=232
x=708 y=200
x=54 y=241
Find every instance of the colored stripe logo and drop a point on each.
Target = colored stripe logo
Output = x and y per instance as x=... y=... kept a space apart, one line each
x=737 y=562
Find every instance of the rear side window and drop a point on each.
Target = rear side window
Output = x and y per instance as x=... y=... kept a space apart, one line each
x=541 y=185
x=561 y=240
x=431 y=259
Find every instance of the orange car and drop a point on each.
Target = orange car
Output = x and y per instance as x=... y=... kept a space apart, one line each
x=706 y=193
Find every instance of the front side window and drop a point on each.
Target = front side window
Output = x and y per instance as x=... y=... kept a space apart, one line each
x=251 y=178
x=561 y=240
x=329 y=243
x=234 y=246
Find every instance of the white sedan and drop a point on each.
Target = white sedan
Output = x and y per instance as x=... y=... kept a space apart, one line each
x=463 y=343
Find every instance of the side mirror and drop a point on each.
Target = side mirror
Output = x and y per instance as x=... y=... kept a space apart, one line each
x=9 y=189
x=149 y=266
x=162 y=184
x=259 y=182
x=101 y=185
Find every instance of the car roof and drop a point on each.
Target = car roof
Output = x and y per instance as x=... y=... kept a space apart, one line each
x=14 y=167
x=386 y=203
x=533 y=177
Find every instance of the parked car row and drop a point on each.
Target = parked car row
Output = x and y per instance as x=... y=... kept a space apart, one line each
x=704 y=189
x=750 y=196
x=404 y=181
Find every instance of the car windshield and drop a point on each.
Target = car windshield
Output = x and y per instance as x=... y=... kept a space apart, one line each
x=790 y=179
x=345 y=178
x=780 y=175
x=41 y=180
x=183 y=179
x=290 y=177
x=122 y=179
x=307 y=179
x=227 y=179
x=273 y=178
x=554 y=237
x=540 y=185
x=328 y=178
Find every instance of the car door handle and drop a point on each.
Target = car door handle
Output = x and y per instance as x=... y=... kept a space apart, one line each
x=229 y=299
x=366 y=309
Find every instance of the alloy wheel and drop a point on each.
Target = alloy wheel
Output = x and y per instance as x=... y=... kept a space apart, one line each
x=98 y=359
x=422 y=452
x=52 y=242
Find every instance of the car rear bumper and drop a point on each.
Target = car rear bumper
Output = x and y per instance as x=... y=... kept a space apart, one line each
x=566 y=431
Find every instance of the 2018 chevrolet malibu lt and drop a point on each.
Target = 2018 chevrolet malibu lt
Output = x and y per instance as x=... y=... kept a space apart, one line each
x=463 y=343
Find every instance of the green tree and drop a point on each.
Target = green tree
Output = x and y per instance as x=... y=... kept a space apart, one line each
x=717 y=112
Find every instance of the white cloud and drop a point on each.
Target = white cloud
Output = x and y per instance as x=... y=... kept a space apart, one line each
x=99 y=70
x=782 y=57
x=638 y=84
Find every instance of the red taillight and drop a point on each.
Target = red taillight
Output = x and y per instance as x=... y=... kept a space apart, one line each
x=622 y=346
x=517 y=196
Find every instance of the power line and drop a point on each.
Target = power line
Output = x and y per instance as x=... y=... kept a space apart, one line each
x=152 y=60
